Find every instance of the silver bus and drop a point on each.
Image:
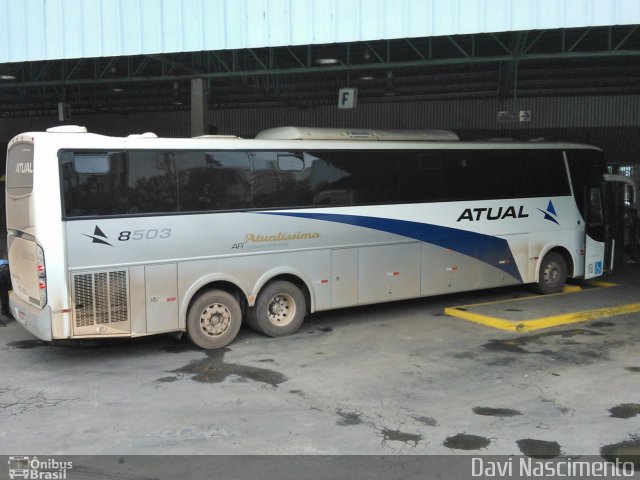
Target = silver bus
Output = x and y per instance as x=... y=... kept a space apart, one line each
x=124 y=237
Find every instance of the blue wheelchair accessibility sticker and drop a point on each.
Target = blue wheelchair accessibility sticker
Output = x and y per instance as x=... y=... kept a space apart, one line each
x=598 y=268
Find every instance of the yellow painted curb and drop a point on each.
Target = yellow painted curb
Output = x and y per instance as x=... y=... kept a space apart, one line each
x=601 y=284
x=575 y=317
x=494 y=322
x=571 y=289
x=544 y=322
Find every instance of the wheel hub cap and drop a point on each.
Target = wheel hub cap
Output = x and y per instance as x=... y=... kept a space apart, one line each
x=282 y=310
x=215 y=319
x=553 y=274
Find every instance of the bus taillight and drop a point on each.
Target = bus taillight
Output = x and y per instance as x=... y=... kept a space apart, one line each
x=42 y=277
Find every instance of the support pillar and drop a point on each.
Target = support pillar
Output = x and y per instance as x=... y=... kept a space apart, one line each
x=199 y=104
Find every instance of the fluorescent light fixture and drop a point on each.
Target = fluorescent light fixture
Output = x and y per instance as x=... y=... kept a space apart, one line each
x=327 y=61
x=7 y=77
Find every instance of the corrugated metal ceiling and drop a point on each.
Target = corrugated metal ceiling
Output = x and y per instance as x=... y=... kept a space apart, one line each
x=542 y=63
x=54 y=29
x=264 y=53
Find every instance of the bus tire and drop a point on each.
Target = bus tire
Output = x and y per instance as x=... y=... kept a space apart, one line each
x=279 y=310
x=553 y=274
x=213 y=319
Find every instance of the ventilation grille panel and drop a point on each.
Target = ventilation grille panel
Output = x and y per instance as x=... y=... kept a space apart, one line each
x=100 y=298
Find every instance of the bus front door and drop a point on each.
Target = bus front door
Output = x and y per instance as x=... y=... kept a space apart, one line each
x=599 y=243
x=620 y=208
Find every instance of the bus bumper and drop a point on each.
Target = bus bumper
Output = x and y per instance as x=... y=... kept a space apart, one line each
x=36 y=320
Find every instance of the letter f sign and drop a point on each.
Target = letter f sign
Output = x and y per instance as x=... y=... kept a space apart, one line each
x=347 y=97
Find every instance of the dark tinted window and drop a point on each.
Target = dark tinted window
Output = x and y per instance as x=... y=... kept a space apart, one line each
x=495 y=174
x=157 y=182
x=151 y=182
x=96 y=194
x=139 y=182
x=213 y=180
x=369 y=177
x=586 y=168
x=403 y=176
x=136 y=182
x=286 y=179
x=426 y=176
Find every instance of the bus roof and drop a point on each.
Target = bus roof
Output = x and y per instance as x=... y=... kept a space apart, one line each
x=292 y=138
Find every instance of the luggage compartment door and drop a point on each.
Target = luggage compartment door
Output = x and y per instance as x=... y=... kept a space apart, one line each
x=161 y=290
x=344 y=277
x=388 y=272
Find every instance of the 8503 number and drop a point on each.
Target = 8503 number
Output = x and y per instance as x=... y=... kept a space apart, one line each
x=150 y=234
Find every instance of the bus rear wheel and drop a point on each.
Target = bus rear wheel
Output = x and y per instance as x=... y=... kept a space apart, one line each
x=214 y=319
x=553 y=274
x=279 y=310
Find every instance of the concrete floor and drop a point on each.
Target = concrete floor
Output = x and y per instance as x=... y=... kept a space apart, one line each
x=398 y=378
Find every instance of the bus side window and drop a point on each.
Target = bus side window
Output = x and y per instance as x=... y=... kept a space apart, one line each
x=371 y=176
x=291 y=166
x=210 y=181
x=267 y=180
x=421 y=176
x=288 y=179
x=90 y=184
x=151 y=181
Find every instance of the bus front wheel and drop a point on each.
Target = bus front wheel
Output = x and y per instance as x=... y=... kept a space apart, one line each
x=553 y=273
x=279 y=310
x=214 y=319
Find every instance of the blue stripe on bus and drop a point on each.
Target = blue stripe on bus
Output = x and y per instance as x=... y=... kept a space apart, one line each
x=486 y=248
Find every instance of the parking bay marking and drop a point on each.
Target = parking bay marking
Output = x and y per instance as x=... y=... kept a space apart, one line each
x=521 y=326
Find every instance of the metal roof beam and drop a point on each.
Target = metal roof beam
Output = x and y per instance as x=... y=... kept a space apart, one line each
x=328 y=68
x=415 y=49
x=258 y=59
x=375 y=53
x=582 y=37
x=76 y=68
x=509 y=70
x=522 y=48
x=108 y=68
x=627 y=36
x=44 y=70
x=533 y=42
x=221 y=61
x=458 y=47
x=295 y=57
x=142 y=66
x=505 y=63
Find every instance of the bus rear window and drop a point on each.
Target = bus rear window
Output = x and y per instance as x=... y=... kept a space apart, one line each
x=20 y=170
